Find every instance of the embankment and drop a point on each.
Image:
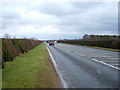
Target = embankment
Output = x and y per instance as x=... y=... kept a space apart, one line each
x=31 y=70
x=12 y=48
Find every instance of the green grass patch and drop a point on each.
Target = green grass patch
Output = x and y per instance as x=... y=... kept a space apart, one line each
x=0 y=78
x=110 y=49
x=30 y=70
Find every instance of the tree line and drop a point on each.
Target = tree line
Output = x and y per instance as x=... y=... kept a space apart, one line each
x=105 y=41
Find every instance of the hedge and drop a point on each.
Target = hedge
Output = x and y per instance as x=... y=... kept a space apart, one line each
x=114 y=44
x=11 y=48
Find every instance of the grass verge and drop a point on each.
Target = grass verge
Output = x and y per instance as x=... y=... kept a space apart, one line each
x=110 y=49
x=31 y=70
x=0 y=79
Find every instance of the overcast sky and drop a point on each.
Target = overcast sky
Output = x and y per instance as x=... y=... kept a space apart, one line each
x=59 y=20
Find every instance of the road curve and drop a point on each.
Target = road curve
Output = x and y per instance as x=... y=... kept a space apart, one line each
x=80 y=67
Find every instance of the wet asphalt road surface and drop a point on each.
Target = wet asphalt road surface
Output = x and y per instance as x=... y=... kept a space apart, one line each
x=82 y=71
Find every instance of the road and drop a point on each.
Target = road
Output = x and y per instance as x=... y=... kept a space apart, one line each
x=86 y=67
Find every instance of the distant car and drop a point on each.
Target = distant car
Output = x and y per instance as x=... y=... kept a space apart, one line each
x=55 y=42
x=51 y=43
x=47 y=41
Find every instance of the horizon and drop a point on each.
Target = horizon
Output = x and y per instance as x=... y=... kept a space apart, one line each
x=33 y=38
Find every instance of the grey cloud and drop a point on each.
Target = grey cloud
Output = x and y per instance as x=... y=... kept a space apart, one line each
x=57 y=9
x=96 y=19
x=77 y=18
x=10 y=12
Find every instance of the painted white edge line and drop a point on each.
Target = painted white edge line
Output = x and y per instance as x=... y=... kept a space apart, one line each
x=57 y=70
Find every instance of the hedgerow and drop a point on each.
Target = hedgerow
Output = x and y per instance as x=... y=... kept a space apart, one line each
x=11 y=48
x=114 y=44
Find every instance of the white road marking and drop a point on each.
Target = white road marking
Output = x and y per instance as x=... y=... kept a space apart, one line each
x=103 y=56
x=69 y=50
x=78 y=53
x=101 y=61
x=115 y=64
x=110 y=61
x=114 y=58
x=110 y=58
x=58 y=70
x=106 y=64
x=106 y=56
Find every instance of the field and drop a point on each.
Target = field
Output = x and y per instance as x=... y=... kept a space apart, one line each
x=31 y=70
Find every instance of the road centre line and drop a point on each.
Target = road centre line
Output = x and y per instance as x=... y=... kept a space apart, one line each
x=100 y=61
x=83 y=55
x=77 y=53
